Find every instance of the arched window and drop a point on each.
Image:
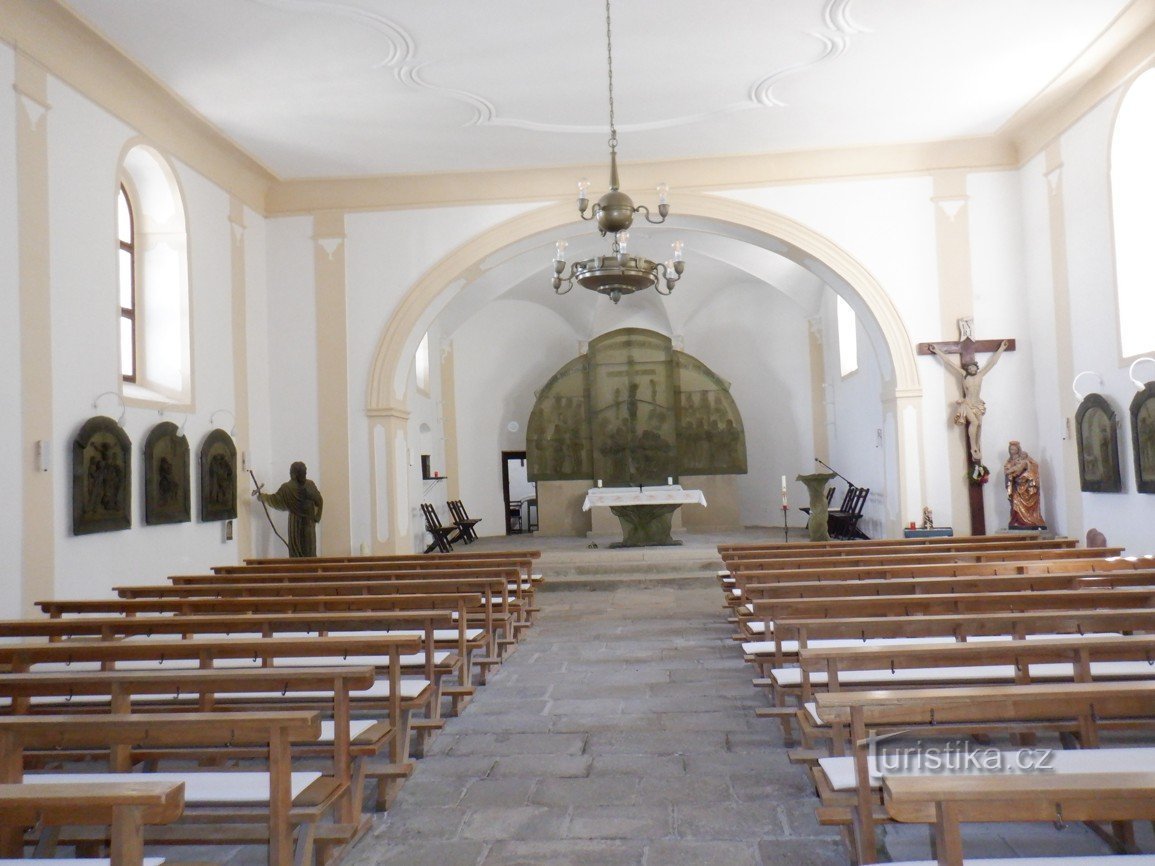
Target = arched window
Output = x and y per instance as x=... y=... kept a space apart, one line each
x=1132 y=190
x=847 y=338
x=155 y=339
x=421 y=365
x=127 y=238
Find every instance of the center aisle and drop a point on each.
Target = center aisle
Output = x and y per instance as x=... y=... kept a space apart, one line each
x=622 y=731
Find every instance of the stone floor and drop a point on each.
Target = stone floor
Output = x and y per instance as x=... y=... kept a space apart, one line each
x=622 y=731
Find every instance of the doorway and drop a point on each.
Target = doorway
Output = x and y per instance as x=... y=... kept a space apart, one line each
x=520 y=494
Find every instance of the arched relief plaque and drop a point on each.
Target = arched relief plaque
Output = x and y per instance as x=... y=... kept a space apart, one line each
x=101 y=478
x=1143 y=438
x=218 y=477
x=634 y=411
x=166 y=476
x=1098 y=443
x=711 y=439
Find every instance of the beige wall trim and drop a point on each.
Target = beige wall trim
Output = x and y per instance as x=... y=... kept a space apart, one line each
x=449 y=422
x=244 y=533
x=332 y=380
x=38 y=559
x=956 y=301
x=72 y=51
x=733 y=172
x=1127 y=44
x=818 y=416
x=1064 y=340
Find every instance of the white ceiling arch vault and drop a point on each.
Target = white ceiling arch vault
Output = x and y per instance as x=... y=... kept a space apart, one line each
x=518 y=250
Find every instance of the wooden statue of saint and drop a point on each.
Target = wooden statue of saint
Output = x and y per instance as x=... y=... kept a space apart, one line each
x=300 y=497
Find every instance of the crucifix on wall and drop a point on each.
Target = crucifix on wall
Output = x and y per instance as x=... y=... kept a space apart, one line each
x=969 y=410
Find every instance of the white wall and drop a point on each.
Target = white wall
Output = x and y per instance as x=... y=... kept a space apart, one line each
x=385 y=254
x=758 y=340
x=501 y=357
x=1125 y=518
x=13 y=457
x=290 y=316
x=1002 y=310
x=85 y=144
x=861 y=436
x=887 y=224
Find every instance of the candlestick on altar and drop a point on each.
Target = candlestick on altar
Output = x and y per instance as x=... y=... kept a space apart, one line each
x=785 y=525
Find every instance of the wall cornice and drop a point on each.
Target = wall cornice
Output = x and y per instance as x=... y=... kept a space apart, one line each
x=72 y=51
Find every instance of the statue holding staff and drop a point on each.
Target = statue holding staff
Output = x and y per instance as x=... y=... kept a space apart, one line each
x=300 y=497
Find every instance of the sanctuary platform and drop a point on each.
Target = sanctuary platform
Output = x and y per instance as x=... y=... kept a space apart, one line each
x=575 y=563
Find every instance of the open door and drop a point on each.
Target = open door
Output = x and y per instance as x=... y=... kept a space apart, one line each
x=520 y=494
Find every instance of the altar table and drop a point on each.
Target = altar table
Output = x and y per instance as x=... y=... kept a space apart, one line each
x=645 y=512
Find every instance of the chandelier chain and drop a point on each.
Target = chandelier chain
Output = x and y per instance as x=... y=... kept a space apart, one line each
x=610 y=67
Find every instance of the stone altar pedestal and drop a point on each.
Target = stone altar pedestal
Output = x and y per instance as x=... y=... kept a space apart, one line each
x=819 y=509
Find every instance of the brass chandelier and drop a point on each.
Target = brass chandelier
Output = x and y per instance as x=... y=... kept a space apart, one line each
x=619 y=273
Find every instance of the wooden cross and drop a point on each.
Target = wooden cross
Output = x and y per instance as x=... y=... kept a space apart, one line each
x=966 y=347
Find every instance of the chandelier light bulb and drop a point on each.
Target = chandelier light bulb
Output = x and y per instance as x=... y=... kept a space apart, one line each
x=559 y=255
x=623 y=240
x=676 y=246
x=663 y=193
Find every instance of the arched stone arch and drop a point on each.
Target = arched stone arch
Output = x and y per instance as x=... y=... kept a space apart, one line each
x=385 y=401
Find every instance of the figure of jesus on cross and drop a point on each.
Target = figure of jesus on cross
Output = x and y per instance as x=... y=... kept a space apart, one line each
x=970 y=409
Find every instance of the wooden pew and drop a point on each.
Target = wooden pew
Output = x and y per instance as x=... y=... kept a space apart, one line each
x=849 y=789
x=275 y=731
x=488 y=620
x=503 y=617
x=870 y=543
x=771 y=610
x=921 y=585
x=444 y=630
x=522 y=583
x=835 y=668
x=914 y=665
x=400 y=557
x=922 y=558
x=834 y=554
x=790 y=635
x=947 y=801
x=349 y=748
x=124 y=807
x=1085 y=567
x=397 y=698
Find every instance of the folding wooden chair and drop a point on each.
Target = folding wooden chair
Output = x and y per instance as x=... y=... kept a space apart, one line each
x=463 y=521
x=443 y=536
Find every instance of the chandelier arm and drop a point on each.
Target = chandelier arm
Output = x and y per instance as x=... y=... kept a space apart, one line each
x=645 y=211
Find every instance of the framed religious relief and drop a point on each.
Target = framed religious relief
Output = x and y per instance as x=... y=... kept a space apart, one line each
x=218 y=477
x=101 y=478
x=1097 y=433
x=1143 y=438
x=166 y=476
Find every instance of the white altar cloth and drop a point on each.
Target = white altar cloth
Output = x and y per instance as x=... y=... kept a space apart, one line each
x=661 y=495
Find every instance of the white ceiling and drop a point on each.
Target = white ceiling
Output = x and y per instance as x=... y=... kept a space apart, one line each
x=325 y=88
